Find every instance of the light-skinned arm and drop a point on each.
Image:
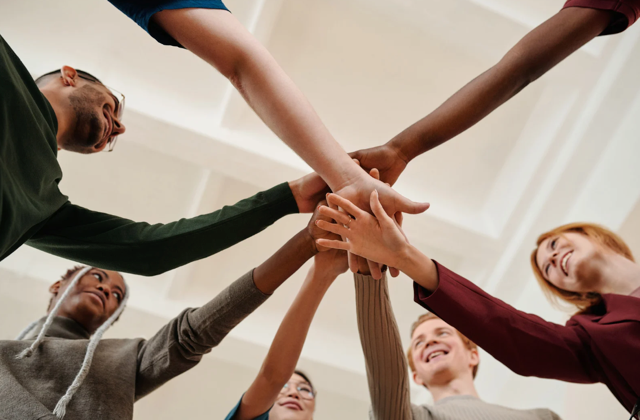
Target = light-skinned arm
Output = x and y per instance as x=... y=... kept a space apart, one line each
x=534 y=55
x=219 y=38
x=287 y=345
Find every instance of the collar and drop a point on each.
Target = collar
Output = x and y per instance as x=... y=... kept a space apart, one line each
x=61 y=327
x=615 y=308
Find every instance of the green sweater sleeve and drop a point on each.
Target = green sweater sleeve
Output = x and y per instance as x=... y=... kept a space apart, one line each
x=114 y=243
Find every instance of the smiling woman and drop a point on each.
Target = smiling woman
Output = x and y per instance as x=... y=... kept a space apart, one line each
x=559 y=278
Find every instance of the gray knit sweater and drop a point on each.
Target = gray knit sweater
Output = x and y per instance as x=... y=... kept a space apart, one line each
x=123 y=370
x=387 y=370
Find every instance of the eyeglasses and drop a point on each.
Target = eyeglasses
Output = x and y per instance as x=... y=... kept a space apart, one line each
x=118 y=98
x=305 y=391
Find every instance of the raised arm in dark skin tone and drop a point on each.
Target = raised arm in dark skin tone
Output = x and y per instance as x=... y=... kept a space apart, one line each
x=534 y=55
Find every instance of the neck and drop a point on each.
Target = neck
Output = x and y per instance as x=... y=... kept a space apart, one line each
x=456 y=386
x=62 y=115
x=620 y=276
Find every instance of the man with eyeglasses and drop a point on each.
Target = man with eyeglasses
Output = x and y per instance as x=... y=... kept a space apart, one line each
x=72 y=110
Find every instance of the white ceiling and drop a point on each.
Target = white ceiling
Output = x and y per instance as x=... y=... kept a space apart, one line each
x=563 y=150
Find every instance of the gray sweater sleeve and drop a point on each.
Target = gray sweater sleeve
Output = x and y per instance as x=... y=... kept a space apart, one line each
x=180 y=344
x=387 y=371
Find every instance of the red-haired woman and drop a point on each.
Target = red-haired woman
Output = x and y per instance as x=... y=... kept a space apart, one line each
x=583 y=264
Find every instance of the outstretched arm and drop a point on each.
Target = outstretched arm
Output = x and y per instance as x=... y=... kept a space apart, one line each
x=534 y=55
x=387 y=372
x=286 y=347
x=112 y=242
x=217 y=37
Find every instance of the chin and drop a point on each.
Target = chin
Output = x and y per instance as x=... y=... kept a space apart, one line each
x=281 y=413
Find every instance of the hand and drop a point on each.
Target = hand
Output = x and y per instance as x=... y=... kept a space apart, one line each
x=315 y=232
x=331 y=263
x=358 y=192
x=378 y=238
x=388 y=159
x=308 y=191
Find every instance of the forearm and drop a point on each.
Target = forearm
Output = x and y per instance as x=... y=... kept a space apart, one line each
x=387 y=372
x=283 y=355
x=283 y=107
x=269 y=275
x=180 y=344
x=538 y=52
x=115 y=243
x=287 y=345
x=221 y=40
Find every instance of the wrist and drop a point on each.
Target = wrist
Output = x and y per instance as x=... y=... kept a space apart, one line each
x=294 y=186
x=400 y=148
x=420 y=268
x=307 y=243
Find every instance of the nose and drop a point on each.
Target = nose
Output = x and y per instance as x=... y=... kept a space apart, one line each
x=104 y=289
x=553 y=259
x=293 y=392
x=118 y=127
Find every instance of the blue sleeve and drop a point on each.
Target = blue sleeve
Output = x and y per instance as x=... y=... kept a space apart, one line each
x=232 y=413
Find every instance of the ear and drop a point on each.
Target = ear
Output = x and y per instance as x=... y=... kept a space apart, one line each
x=69 y=76
x=474 y=358
x=55 y=287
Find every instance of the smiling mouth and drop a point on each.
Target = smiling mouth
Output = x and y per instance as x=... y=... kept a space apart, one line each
x=563 y=263
x=292 y=405
x=436 y=354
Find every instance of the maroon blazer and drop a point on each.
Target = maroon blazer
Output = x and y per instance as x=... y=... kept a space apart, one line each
x=626 y=12
x=600 y=347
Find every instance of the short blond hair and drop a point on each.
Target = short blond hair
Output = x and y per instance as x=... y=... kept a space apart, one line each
x=603 y=236
x=470 y=345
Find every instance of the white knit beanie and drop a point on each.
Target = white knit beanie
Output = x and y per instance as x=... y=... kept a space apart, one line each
x=61 y=407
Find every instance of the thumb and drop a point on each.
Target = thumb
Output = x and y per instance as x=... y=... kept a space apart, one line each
x=411 y=207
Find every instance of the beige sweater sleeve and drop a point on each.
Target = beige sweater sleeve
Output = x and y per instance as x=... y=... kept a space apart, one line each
x=387 y=371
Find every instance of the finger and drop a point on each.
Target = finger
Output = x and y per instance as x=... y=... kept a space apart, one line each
x=363 y=267
x=332 y=227
x=399 y=218
x=377 y=208
x=411 y=207
x=374 y=269
x=329 y=243
x=375 y=173
x=336 y=215
x=394 y=271
x=357 y=162
x=346 y=205
x=353 y=262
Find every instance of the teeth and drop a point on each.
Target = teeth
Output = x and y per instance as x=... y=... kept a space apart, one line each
x=564 y=262
x=435 y=354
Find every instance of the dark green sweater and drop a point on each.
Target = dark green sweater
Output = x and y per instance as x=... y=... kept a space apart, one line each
x=33 y=210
